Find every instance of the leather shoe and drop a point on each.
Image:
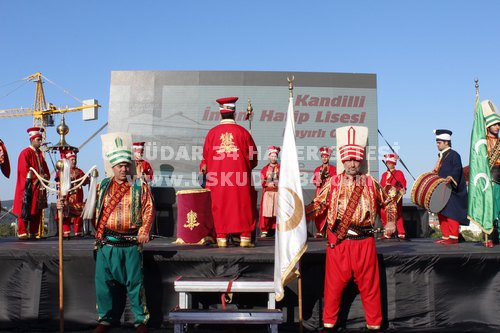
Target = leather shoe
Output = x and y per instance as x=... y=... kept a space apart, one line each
x=449 y=241
x=384 y=237
x=100 y=328
x=141 y=329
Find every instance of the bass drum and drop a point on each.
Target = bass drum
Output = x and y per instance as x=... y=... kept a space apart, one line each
x=195 y=224
x=431 y=192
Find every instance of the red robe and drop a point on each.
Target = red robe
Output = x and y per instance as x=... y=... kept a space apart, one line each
x=30 y=158
x=397 y=180
x=143 y=168
x=267 y=223
x=320 y=220
x=75 y=203
x=229 y=155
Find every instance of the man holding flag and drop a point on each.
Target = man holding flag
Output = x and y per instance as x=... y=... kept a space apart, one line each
x=482 y=209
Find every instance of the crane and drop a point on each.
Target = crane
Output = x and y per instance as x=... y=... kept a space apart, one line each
x=41 y=112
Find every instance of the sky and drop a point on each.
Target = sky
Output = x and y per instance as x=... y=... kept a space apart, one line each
x=426 y=55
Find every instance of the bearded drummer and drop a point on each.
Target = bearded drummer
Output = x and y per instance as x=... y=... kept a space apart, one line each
x=492 y=123
x=394 y=183
x=449 y=167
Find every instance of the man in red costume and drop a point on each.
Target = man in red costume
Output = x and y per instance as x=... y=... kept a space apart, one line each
x=143 y=168
x=269 y=177
x=353 y=198
x=322 y=174
x=394 y=183
x=229 y=155
x=4 y=162
x=31 y=157
x=74 y=198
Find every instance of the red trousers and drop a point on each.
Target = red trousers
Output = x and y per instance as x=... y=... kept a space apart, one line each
x=267 y=223
x=242 y=234
x=449 y=227
x=34 y=225
x=352 y=259
x=400 y=226
x=77 y=225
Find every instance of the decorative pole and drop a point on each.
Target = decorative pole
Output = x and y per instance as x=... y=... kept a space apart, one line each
x=62 y=188
x=60 y=166
x=64 y=168
x=249 y=115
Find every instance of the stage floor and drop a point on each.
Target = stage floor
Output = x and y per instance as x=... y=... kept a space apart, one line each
x=426 y=287
x=264 y=249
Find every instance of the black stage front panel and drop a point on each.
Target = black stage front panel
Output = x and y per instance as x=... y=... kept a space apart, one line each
x=424 y=285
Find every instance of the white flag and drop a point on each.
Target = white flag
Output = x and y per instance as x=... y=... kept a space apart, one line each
x=291 y=229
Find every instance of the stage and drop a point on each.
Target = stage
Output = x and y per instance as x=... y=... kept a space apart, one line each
x=425 y=286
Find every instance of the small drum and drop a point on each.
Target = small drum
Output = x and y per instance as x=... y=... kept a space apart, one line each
x=430 y=192
x=195 y=224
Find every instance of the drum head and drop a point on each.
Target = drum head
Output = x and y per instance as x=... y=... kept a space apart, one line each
x=439 y=197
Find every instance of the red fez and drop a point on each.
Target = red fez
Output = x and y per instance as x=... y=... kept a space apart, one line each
x=35 y=132
x=391 y=158
x=273 y=150
x=68 y=153
x=227 y=104
x=138 y=146
x=325 y=151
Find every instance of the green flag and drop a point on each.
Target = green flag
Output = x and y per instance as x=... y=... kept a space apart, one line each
x=480 y=206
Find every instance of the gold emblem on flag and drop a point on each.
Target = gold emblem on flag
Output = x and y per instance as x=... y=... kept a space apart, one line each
x=289 y=217
x=191 y=220
x=227 y=144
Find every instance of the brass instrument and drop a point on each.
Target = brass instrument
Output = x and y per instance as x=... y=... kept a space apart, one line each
x=324 y=174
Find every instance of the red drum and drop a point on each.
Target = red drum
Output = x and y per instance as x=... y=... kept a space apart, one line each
x=430 y=192
x=195 y=224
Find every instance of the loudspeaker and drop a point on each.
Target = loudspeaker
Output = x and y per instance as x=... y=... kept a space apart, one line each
x=164 y=199
x=416 y=221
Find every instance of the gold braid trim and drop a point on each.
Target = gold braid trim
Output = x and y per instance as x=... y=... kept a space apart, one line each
x=319 y=203
x=495 y=153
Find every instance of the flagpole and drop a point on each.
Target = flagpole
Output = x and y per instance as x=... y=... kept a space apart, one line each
x=291 y=229
x=299 y=278
x=299 y=292
x=476 y=85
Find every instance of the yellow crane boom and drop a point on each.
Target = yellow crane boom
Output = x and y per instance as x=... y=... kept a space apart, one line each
x=41 y=112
